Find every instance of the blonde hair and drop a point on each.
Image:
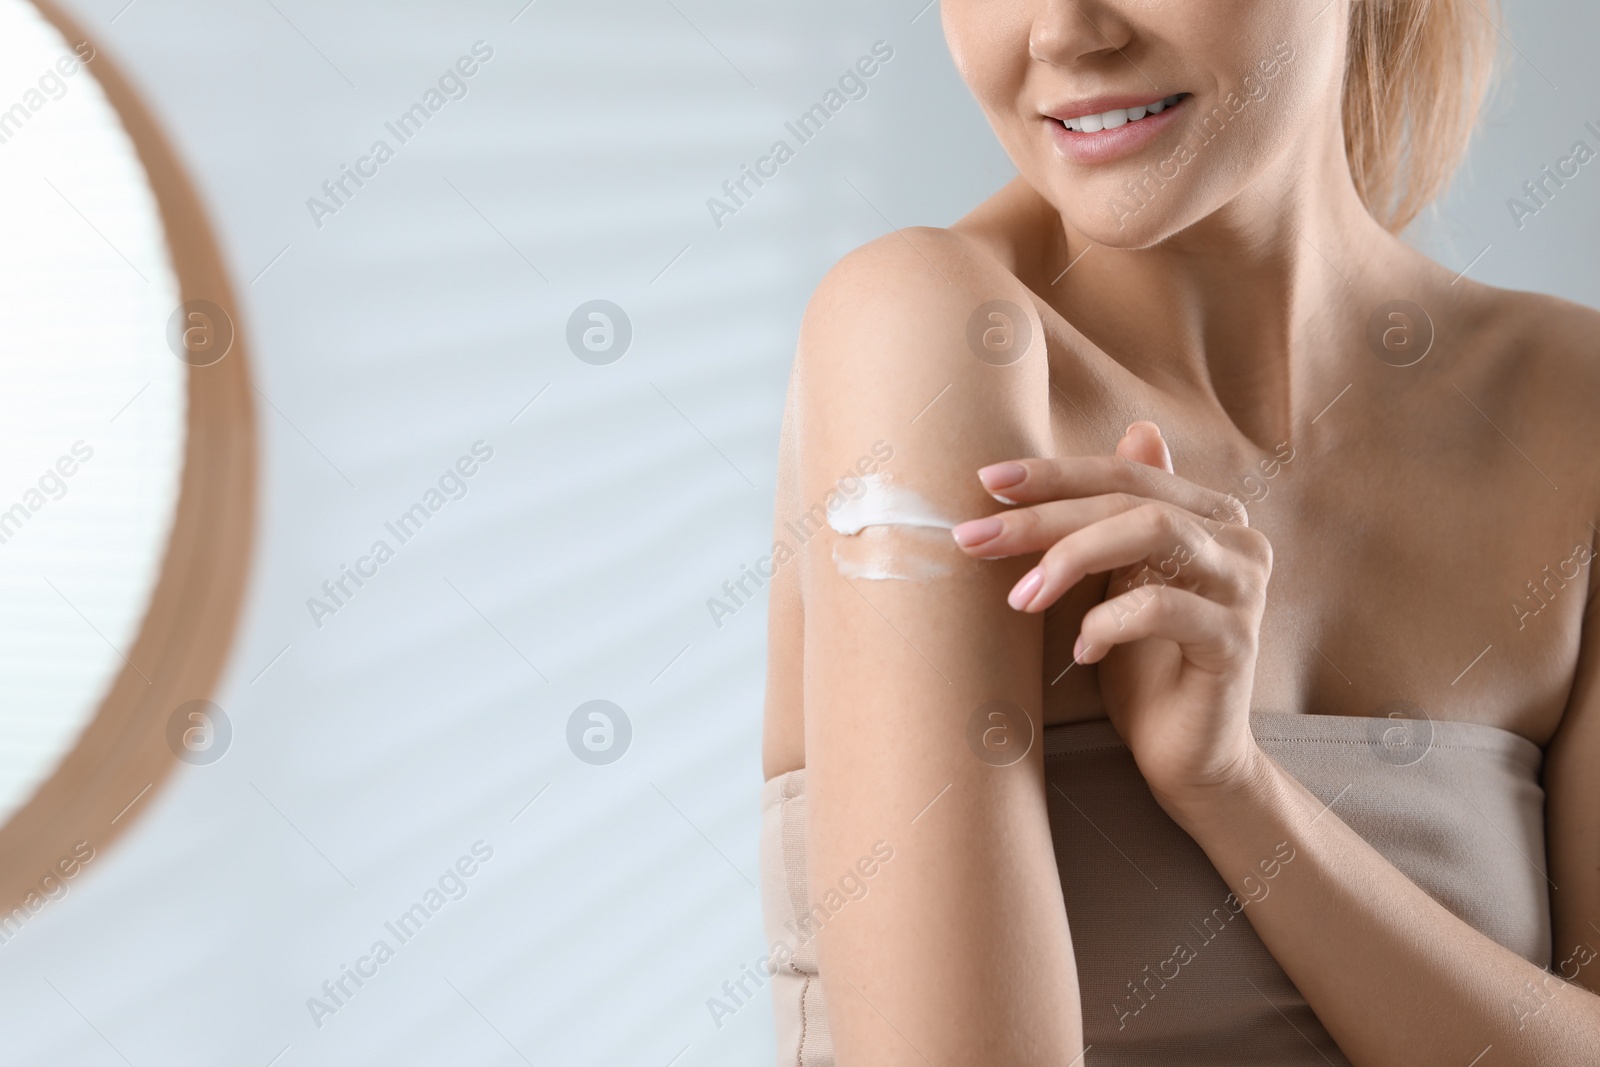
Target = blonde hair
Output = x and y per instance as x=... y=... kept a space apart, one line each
x=1416 y=73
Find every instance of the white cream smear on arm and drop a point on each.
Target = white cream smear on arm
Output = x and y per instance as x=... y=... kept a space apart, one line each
x=893 y=534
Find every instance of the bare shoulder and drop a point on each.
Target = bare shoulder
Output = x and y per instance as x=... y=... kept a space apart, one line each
x=903 y=375
x=916 y=260
x=922 y=317
x=1532 y=369
x=1544 y=352
x=1549 y=345
x=1551 y=320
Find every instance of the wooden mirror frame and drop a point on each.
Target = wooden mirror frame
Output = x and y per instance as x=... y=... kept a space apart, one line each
x=122 y=756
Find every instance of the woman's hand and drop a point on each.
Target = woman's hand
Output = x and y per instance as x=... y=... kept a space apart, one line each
x=1176 y=636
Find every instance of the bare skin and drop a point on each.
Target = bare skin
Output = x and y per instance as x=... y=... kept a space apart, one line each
x=1374 y=565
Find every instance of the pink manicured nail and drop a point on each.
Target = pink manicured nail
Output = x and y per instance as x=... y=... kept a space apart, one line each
x=977 y=531
x=1078 y=648
x=1026 y=590
x=1001 y=475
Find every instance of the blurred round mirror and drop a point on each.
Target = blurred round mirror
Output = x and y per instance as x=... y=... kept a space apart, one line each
x=91 y=399
x=125 y=448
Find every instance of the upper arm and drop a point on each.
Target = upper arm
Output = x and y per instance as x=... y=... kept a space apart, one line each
x=1572 y=812
x=1562 y=383
x=928 y=961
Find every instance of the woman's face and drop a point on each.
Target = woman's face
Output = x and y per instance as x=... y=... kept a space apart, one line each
x=1065 y=82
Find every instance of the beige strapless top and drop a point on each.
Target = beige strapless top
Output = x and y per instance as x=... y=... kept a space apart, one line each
x=1456 y=807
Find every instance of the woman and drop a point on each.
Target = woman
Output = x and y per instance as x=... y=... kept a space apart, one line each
x=1384 y=763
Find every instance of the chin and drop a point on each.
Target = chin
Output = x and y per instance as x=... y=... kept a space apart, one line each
x=1137 y=201
x=1104 y=218
x=1150 y=229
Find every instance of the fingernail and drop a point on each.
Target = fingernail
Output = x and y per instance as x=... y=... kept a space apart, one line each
x=1078 y=648
x=977 y=531
x=1024 y=591
x=1001 y=475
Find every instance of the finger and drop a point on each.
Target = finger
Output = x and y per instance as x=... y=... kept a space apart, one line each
x=1037 y=528
x=1033 y=529
x=1170 y=543
x=1211 y=636
x=1142 y=443
x=1033 y=481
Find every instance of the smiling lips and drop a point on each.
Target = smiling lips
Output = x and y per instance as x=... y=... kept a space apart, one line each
x=1108 y=128
x=1118 y=116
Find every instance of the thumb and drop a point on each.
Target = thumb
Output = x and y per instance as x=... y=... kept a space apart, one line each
x=1143 y=443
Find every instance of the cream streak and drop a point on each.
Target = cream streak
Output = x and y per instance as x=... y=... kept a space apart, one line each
x=886 y=504
x=894 y=534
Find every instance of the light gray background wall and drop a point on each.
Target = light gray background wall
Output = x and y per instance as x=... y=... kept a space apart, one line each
x=373 y=751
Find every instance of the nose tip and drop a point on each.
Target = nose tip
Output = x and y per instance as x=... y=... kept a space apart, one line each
x=1069 y=31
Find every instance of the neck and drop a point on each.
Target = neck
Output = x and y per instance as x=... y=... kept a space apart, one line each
x=1249 y=308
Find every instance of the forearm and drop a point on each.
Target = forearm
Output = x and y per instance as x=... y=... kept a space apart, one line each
x=1393 y=975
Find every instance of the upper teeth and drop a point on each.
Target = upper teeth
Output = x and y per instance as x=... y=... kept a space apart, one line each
x=1120 y=116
